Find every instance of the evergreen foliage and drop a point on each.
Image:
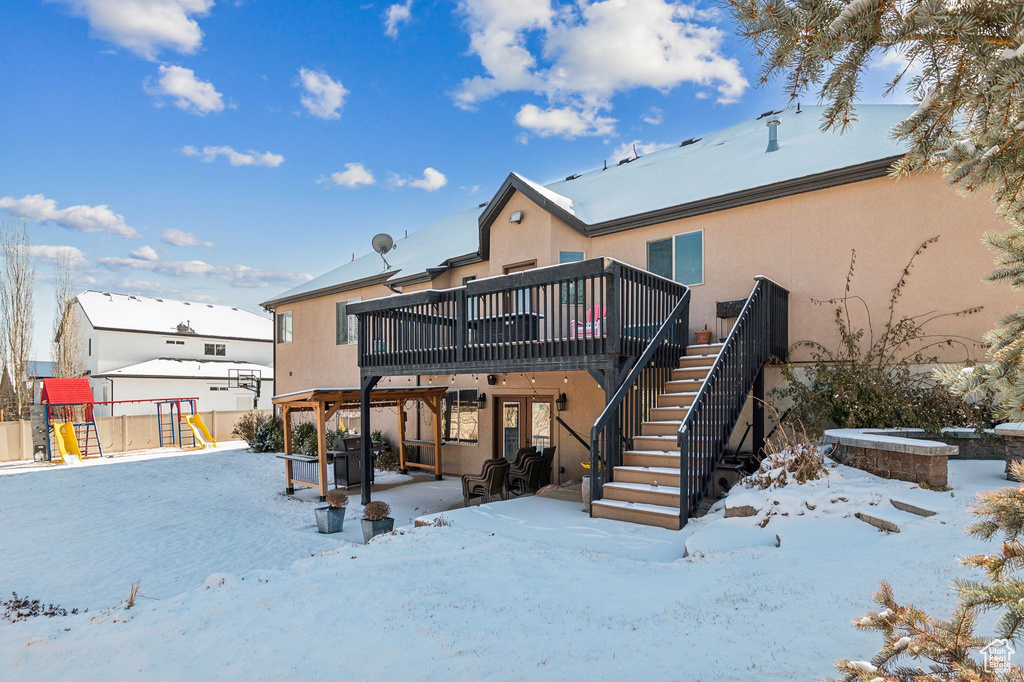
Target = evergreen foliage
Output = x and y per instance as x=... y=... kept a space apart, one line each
x=964 y=65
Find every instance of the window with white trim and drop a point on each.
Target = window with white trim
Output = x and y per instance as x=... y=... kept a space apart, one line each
x=284 y=327
x=346 y=325
x=215 y=349
x=461 y=416
x=572 y=292
x=680 y=258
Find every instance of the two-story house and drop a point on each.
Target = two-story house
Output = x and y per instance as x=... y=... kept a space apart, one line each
x=140 y=348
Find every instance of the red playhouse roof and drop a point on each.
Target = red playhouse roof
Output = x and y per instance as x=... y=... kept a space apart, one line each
x=65 y=391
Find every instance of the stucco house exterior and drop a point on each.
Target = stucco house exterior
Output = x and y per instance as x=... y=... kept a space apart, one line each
x=556 y=291
x=139 y=347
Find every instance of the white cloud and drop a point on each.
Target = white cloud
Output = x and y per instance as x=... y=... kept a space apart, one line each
x=579 y=56
x=431 y=181
x=625 y=149
x=564 y=121
x=57 y=254
x=145 y=26
x=324 y=96
x=145 y=253
x=176 y=237
x=83 y=218
x=241 y=276
x=354 y=175
x=395 y=16
x=189 y=93
x=235 y=158
x=653 y=116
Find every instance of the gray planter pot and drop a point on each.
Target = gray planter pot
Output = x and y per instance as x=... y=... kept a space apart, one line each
x=329 y=520
x=372 y=529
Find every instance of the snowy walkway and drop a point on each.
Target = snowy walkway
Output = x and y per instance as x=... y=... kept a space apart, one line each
x=465 y=601
x=82 y=535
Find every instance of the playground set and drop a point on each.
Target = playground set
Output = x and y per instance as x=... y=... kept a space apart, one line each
x=71 y=424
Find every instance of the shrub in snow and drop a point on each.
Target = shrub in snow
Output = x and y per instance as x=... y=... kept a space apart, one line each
x=871 y=379
x=792 y=454
x=387 y=460
x=951 y=648
x=19 y=608
x=376 y=511
x=260 y=430
x=336 y=499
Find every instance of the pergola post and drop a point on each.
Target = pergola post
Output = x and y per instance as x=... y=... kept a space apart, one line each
x=286 y=421
x=401 y=438
x=437 y=439
x=366 y=385
x=321 y=447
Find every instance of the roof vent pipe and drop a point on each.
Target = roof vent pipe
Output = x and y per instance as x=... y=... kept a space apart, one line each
x=773 y=135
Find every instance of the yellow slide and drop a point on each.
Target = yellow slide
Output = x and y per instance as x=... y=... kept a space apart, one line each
x=67 y=442
x=199 y=430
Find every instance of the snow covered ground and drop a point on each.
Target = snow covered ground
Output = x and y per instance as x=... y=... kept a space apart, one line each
x=526 y=589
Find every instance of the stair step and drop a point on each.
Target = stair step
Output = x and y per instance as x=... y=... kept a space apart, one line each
x=648 y=475
x=669 y=414
x=650 y=458
x=704 y=349
x=683 y=386
x=697 y=360
x=676 y=399
x=642 y=493
x=660 y=428
x=663 y=443
x=698 y=372
x=646 y=514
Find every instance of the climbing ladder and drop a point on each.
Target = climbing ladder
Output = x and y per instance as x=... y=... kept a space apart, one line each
x=640 y=479
x=171 y=424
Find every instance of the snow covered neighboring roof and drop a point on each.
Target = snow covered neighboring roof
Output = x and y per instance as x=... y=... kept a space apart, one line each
x=173 y=368
x=163 y=315
x=728 y=161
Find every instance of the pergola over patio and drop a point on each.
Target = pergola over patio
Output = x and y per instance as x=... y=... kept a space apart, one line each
x=326 y=402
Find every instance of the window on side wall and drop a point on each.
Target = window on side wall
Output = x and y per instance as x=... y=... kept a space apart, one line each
x=346 y=326
x=461 y=416
x=284 y=327
x=572 y=292
x=215 y=349
x=680 y=258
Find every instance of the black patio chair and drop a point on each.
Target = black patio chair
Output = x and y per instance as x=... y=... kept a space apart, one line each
x=489 y=483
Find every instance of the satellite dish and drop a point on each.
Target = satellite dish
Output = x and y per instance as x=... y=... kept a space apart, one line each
x=382 y=244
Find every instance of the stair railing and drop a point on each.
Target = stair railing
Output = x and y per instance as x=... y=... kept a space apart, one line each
x=637 y=394
x=759 y=334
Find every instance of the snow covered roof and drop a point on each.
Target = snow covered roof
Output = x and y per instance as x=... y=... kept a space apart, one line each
x=164 y=315
x=174 y=368
x=715 y=165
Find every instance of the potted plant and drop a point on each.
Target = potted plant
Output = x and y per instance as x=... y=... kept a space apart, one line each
x=376 y=437
x=331 y=519
x=703 y=336
x=376 y=520
x=585 y=488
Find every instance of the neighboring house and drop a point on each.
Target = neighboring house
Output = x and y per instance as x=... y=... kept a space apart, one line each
x=519 y=299
x=138 y=347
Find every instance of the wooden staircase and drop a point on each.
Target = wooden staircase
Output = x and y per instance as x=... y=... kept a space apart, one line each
x=646 y=488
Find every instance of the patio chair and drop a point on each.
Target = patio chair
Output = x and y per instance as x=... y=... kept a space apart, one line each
x=489 y=483
x=517 y=461
x=594 y=324
x=548 y=455
x=526 y=480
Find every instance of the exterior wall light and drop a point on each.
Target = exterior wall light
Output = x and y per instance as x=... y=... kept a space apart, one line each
x=515 y=217
x=560 y=402
x=481 y=401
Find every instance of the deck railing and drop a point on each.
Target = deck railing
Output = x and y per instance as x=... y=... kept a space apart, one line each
x=569 y=316
x=759 y=334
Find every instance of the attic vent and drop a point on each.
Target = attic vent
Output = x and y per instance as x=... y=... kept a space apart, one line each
x=767 y=114
x=208 y=305
x=687 y=143
x=186 y=303
x=482 y=204
x=572 y=177
x=625 y=161
x=185 y=327
x=159 y=300
x=773 y=135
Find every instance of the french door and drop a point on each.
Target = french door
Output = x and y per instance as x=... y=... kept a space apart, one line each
x=523 y=422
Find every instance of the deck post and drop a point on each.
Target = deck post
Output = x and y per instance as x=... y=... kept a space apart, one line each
x=286 y=423
x=366 y=385
x=437 y=439
x=321 y=447
x=401 y=438
x=758 y=415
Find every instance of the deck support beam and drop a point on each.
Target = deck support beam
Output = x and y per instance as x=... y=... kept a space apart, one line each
x=366 y=385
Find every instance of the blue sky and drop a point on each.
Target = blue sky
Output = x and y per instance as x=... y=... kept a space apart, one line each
x=224 y=151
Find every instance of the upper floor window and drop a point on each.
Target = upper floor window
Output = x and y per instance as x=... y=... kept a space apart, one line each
x=572 y=292
x=284 y=327
x=680 y=258
x=175 y=342
x=346 y=326
x=217 y=349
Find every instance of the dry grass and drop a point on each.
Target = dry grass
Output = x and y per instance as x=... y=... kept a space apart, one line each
x=133 y=594
x=336 y=498
x=792 y=455
x=376 y=511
